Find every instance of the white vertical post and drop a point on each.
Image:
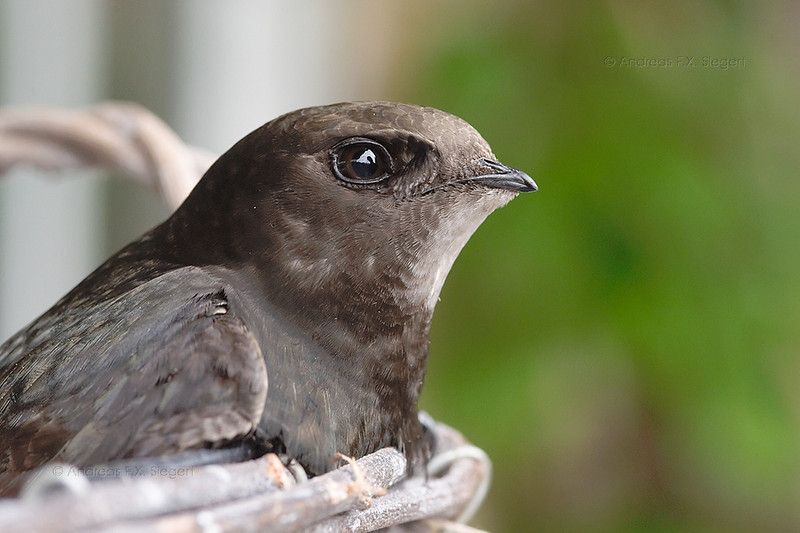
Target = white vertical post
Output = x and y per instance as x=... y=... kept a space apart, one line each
x=240 y=66
x=50 y=54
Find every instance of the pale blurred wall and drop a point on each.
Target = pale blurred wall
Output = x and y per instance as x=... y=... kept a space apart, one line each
x=50 y=53
x=213 y=72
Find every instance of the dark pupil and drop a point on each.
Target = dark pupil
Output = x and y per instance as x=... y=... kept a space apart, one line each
x=364 y=163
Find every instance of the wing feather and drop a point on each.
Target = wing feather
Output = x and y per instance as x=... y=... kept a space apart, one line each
x=186 y=374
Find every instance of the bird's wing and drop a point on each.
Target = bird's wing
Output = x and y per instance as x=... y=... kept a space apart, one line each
x=204 y=381
x=159 y=384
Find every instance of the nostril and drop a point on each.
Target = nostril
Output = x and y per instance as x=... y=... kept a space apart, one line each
x=494 y=165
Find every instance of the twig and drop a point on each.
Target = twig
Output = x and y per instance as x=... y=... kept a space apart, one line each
x=248 y=497
x=120 y=138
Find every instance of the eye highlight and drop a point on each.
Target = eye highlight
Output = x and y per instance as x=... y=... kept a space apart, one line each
x=361 y=161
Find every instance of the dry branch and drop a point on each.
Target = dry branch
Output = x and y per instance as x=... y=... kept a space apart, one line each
x=120 y=138
x=260 y=495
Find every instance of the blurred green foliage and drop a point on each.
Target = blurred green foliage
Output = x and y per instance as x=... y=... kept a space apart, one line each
x=624 y=343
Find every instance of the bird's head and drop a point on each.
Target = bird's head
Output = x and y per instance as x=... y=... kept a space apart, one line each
x=357 y=194
x=389 y=153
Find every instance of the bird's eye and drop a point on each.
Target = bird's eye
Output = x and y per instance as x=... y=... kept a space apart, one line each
x=361 y=161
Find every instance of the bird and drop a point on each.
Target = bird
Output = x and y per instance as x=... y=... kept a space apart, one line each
x=288 y=301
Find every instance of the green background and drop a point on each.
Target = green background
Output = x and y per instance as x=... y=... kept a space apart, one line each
x=624 y=342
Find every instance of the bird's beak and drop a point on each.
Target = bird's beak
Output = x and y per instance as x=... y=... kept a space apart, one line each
x=503 y=177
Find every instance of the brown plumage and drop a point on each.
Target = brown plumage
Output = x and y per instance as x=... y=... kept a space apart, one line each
x=312 y=252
